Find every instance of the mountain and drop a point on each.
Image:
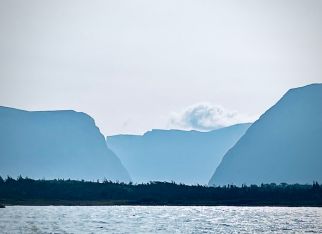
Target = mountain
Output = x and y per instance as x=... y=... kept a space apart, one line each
x=283 y=145
x=55 y=144
x=174 y=155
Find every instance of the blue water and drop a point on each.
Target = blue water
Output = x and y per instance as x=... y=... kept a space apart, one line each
x=159 y=219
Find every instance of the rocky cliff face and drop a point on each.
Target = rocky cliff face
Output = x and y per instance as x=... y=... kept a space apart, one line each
x=55 y=144
x=283 y=145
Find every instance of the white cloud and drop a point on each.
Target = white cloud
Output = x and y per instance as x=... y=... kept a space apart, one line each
x=205 y=116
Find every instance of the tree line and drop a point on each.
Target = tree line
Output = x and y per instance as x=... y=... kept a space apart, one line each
x=26 y=191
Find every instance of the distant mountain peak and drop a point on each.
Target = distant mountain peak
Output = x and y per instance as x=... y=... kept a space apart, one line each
x=174 y=155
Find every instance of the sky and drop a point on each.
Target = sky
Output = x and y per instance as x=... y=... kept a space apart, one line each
x=140 y=65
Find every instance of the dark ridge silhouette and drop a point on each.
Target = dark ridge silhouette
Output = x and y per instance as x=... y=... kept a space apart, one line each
x=283 y=145
x=174 y=155
x=55 y=144
x=24 y=191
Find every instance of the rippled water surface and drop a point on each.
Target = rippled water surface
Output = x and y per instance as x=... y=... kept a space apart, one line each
x=159 y=219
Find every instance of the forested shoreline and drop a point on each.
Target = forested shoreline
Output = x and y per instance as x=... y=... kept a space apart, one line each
x=25 y=191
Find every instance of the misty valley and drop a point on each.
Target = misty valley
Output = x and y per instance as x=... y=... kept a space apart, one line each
x=277 y=148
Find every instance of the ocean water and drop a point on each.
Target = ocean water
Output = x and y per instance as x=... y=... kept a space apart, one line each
x=159 y=219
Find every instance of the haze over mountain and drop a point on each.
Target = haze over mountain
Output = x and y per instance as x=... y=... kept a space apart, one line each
x=283 y=145
x=174 y=155
x=55 y=144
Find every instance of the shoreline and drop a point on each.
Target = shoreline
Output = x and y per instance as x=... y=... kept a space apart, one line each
x=132 y=203
x=80 y=193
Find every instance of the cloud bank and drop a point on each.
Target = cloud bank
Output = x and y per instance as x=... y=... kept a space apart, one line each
x=205 y=117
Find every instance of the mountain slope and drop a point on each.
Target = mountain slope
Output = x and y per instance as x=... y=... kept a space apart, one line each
x=55 y=144
x=283 y=145
x=174 y=155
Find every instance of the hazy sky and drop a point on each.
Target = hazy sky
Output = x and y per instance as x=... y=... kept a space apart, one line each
x=137 y=65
